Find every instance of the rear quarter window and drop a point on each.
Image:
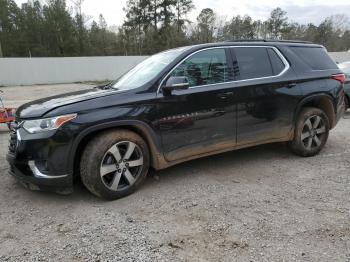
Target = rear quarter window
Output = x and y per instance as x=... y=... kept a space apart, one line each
x=277 y=64
x=316 y=58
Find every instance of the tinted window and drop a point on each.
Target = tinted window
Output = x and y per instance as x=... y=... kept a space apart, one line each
x=253 y=62
x=276 y=62
x=315 y=57
x=206 y=67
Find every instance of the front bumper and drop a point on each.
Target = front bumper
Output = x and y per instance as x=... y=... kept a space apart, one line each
x=39 y=162
x=31 y=177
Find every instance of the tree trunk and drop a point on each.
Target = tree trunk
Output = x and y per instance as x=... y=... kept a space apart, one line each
x=178 y=17
x=155 y=14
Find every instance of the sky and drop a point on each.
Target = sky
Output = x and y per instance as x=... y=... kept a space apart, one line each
x=302 y=11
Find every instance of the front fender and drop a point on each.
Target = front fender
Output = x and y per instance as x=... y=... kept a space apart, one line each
x=143 y=129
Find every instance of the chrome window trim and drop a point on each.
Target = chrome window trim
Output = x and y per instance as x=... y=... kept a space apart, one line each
x=284 y=60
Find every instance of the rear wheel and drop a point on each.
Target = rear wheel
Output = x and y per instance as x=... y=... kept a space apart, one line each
x=311 y=132
x=114 y=164
x=346 y=100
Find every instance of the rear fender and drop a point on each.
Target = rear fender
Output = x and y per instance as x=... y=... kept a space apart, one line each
x=319 y=100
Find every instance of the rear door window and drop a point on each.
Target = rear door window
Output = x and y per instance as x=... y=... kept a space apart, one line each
x=315 y=57
x=253 y=62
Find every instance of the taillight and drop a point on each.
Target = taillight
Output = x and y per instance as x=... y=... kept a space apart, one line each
x=339 y=77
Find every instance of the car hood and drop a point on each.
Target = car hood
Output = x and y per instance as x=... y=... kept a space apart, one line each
x=38 y=108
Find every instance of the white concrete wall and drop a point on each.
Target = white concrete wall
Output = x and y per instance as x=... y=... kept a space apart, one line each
x=340 y=57
x=29 y=71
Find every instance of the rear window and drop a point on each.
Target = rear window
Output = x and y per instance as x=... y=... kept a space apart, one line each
x=315 y=57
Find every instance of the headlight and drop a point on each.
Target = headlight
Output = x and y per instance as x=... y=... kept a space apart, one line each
x=47 y=124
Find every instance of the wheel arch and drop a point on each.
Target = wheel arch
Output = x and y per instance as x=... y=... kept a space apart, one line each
x=140 y=128
x=322 y=101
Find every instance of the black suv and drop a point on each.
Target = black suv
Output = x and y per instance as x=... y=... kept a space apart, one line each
x=175 y=106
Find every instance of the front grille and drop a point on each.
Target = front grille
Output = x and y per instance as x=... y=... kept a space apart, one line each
x=13 y=138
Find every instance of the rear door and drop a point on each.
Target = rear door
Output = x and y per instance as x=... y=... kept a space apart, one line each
x=266 y=94
x=202 y=118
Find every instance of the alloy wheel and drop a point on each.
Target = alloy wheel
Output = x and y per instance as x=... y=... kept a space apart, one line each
x=314 y=131
x=121 y=165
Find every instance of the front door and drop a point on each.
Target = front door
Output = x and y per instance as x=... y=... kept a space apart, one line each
x=202 y=118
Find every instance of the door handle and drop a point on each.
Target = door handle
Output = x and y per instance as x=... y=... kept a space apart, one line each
x=291 y=85
x=225 y=95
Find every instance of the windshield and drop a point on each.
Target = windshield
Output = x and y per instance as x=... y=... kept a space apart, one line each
x=146 y=70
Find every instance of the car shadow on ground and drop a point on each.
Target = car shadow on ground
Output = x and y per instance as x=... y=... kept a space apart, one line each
x=222 y=164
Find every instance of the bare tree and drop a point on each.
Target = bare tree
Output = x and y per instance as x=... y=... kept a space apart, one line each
x=340 y=23
x=277 y=22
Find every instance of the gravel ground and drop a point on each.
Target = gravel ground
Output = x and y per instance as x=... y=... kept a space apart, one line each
x=256 y=204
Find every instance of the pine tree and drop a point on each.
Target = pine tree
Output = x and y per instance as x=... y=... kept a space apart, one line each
x=59 y=27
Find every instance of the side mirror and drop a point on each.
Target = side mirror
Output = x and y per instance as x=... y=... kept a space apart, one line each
x=176 y=83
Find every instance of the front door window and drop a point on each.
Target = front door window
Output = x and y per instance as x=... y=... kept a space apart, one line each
x=205 y=68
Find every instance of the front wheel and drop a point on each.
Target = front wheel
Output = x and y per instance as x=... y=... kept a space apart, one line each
x=311 y=132
x=114 y=164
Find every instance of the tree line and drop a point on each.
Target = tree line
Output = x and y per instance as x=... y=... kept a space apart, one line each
x=55 y=29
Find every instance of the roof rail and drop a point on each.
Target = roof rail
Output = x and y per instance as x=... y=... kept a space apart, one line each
x=291 y=41
x=247 y=40
x=270 y=40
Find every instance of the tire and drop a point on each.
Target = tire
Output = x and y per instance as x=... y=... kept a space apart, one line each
x=310 y=137
x=109 y=170
x=346 y=100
